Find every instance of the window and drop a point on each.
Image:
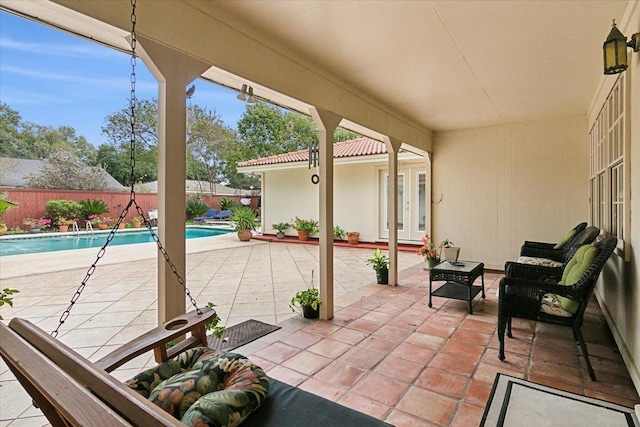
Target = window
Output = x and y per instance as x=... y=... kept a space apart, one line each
x=609 y=171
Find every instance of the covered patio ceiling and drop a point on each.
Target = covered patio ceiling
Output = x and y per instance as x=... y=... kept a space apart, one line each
x=435 y=65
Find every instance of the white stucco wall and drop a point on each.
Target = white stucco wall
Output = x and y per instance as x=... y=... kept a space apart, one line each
x=501 y=185
x=357 y=206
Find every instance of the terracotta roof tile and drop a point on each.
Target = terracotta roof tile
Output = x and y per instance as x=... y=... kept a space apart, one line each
x=352 y=148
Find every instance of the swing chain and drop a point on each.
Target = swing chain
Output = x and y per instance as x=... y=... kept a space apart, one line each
x=132 y=201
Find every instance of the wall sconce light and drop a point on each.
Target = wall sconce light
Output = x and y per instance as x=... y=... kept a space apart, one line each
x=614 y=50
x=246 y=94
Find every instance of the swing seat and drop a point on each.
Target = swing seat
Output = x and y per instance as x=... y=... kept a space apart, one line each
x=71 y=390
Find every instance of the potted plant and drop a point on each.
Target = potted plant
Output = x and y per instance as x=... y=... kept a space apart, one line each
x=64 y=223
x=245 y=219
x=305 y=227
x=307 y=301
x=5 y=205
x=281 y=227
x=137 y=221
x=380 y=264
x=353 y=237
x=430 y=251
x=35 y=225
x=338 y=233
x=451 y=252
x=104 y=222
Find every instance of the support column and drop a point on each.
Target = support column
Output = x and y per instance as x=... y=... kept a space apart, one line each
x=327 y=123
x=173 y=70
x=393 y=147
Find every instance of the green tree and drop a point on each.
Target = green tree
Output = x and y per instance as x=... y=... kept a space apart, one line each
x=64 y=171
x=114 y=156
x=207 y=138
x=28 y=140
x=344 y=135
x=9 y=131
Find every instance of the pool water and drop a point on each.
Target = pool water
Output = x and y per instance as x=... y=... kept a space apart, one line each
x=52 y=242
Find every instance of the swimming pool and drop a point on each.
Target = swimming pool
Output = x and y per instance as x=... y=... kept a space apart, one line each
x=34 y=243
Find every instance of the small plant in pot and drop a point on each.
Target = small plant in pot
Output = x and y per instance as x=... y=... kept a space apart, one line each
x=380 y=264
x=338 y=233
x=306 y=302
x=305 y=227
x=245 y=219
x=281 y=227
x=353 y=237
x=451 y=252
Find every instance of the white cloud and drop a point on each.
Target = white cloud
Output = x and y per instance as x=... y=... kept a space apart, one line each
x=58 y=49
x=32 y=98
x=80 y=80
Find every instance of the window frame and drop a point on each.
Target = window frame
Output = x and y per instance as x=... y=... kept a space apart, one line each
x=609 y=172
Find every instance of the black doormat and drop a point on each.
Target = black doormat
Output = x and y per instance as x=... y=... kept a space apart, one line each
x=241 y=334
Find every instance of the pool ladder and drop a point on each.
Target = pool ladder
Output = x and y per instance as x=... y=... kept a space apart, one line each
x=76 y=228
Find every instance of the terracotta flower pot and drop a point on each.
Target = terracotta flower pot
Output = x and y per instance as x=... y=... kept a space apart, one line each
x=136 y=224
x=303 y=235
x=102 y=226
x=63 y=228
x=353 y=237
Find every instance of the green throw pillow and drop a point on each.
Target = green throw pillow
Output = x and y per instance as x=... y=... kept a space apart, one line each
x=574 y=270
x=565 y=239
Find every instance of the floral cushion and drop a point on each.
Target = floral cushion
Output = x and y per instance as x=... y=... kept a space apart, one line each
x=551 y=305
x=543 y=262
x=204 y=387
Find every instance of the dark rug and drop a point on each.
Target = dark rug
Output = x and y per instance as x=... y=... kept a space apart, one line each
x=517 y=402
x=241 y=334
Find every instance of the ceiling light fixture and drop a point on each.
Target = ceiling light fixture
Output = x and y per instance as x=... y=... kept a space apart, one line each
x=251 y=100
x=246 y=94
x=242 y=96
x=614 y=50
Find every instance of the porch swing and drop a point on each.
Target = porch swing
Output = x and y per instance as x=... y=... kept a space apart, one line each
x=71 y=391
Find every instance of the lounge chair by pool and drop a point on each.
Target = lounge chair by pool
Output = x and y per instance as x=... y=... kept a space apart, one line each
x=210 y=214
x=225 y=214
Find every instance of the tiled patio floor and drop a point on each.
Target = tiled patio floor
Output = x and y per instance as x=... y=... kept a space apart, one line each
x=384 y=353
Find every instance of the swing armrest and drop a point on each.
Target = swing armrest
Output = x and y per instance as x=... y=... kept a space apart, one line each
x=157 y=338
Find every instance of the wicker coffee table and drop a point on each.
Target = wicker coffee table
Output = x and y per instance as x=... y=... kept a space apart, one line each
x=459 y=278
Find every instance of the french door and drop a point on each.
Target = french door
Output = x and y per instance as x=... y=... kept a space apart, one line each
x=412 y=204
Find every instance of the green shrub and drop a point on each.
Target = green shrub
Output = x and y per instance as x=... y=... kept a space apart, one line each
x=244 y=217
x=227 y=204
x=196 y=208
x=55 y=209
x=93 y=207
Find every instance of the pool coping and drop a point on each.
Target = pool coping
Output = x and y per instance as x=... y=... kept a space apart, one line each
x=48 y=262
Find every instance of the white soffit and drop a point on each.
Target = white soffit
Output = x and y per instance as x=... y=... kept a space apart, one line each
x=447 y=64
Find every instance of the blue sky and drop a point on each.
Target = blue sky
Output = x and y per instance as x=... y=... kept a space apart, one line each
x=53 y=78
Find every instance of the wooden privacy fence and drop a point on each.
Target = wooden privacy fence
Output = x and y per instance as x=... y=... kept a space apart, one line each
x=31 y=202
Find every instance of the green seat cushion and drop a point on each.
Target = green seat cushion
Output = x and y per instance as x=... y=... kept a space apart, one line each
x=565 y=240
x=575 y=269
x=204 y=387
